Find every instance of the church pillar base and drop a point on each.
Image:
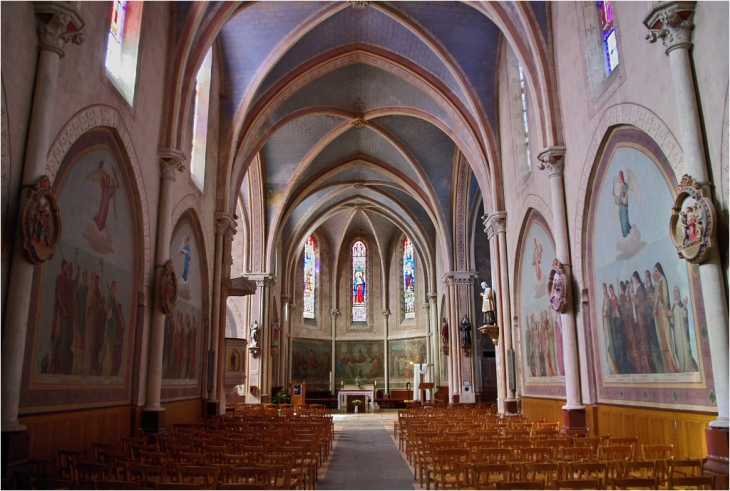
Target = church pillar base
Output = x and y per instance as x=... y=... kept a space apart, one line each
x=153 y=421
x=455 y=398
x=717 y=456
x=211 y=409
x=510 y=406
x=573 y=419
x=15 y=448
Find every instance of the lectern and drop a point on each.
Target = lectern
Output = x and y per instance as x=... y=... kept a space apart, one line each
x=424 y=386
x=298 y=393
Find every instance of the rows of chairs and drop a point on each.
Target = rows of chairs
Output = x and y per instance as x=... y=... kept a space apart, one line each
x=256 y=449
x=454 y=449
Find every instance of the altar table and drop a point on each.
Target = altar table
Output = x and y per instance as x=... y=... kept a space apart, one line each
x=342 y=395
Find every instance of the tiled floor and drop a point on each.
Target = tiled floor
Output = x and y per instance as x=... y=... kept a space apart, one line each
x=365 y=455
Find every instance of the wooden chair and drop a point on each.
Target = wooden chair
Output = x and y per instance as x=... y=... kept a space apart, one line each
x=578 y=433
x=683 y=469
x=98 y=446
x=146 y=474
x=251 y=475
x=616 y=452
x=592 y=442
x=36 y=483
x=446 y=465
x=494 y=455
x=706 y=482
x=520 y=485
x=576 y=454
x=280 y=475
x=579 y=484
x=177 y=485
x=586 y=471
x=635 y=483
x=632 y=441
x=486 y=476
x=204 y=475
x=154 y=458
x=658 y=454
x=66 y=457
x=643 y=470
x=518 y=447
x=547 y=473
x=536 y=455
x=86 y=472
x=102 y=484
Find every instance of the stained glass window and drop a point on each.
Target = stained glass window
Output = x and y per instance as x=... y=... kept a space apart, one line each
x=117 y=25
x=609 y=34
x=359 y=279
x=525 y=126
x=409 y=280
x=200 y=120
x=122 y=47
x=310 y=277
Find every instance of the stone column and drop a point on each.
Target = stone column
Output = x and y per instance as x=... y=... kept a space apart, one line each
x=153 y=414
x=435 y=355
x=574 y=413
x=285 y=331
x=225 y=229
x=386 y=364
x=460 y=285
x=58 y=23
x=672 y=22
x=496 y=227
x=333 y=315
x=264 y=282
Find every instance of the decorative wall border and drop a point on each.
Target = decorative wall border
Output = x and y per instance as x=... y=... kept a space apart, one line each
x=643 y=119
x=106 y=116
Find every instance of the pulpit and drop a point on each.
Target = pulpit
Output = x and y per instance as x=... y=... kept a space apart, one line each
x=423 y=387
x=298 y=393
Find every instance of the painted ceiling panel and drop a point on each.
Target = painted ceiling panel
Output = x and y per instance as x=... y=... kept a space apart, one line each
x=363 y=141
x=540 y=10
x=384 y=227
x=375 y=87
x=473 y=43
x=433 y=149
x=332 y=228
x=289 y=145
x=357 y=173
x=370 y=26
x=248 y=38
x=420 y=214
x=359 y=222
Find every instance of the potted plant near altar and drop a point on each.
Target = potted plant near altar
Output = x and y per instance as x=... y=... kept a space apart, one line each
x=280 y=398
x=358 y=382
x=357 y=403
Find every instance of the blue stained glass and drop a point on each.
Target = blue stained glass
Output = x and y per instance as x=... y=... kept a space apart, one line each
x=310 y=277
x=409 y=280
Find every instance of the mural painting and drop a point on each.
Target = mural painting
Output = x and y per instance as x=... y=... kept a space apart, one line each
x=312 y=362
x=541 y=330
x=86 y=312
x=364 y=359
x=402 y=355
x=644 y=308
x=181 y=356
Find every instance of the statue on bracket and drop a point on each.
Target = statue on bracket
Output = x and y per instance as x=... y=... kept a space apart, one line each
x=41 y=222
x=558 y=287
x=253 y=343
x=490 y=315
x=465 y=334
x=693 y=221
x=168 y=290
x=445 y=335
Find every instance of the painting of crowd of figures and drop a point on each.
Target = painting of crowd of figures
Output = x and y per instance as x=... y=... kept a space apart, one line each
x=312 y=363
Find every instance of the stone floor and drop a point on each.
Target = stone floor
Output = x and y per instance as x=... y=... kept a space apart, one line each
x=365 y=455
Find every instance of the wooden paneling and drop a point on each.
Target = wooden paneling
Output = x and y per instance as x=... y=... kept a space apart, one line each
x=75 y=430
x=684 y=430
x=548 y=409
x=183 y=412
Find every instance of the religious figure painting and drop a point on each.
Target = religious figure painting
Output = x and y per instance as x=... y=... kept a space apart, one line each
x=403 y=355
x=644 y=310
x=86 y=308
x=364 y=359
x=541 y=330
x=182 y=349
x=312 y=362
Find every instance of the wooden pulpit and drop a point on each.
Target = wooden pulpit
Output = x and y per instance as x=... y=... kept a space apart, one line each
x=424 y=386
x=298 y=393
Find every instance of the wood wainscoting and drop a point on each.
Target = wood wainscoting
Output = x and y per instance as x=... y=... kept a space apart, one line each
x=181 y=412
x=75 y=430
x=685 y=430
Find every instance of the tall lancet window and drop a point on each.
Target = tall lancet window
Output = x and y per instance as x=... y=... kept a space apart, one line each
x=525 y=126
x=359 y=282
x=200 y=120
x=122 y=46
x=610 y=47
x=409 y=280
x=310 y=277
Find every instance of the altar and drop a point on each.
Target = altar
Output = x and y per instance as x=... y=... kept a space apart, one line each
x=342 y=396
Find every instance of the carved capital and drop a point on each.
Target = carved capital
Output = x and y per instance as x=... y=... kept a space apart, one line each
x=358 y=123
x=358 y=4
x=672 y=22
x=463 y=278
x=58 y=23
x=334 y=313
x=262 y=279
x=432 y=297
x=426 y=306
x=285 y=297
x=552 y=159
x=171 y=160
x=385 y=312
x=495 y=223
x=225 y=225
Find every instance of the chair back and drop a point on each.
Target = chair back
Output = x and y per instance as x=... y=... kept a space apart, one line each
x=579 y=484
x=204 y=475
x=520 y=485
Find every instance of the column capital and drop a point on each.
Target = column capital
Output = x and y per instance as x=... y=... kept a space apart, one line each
x=432 y=297
x=58 y=23
x=385 y=312
x=334 y=313
x=672 y=22
x=426 y=306
x=262 y=279
x=171 y=160
x=495 y=223
x=459 y=278
x=285 y=297
x=552 y=159
x=225 y=225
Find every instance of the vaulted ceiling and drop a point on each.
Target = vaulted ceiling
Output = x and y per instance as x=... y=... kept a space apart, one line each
x=358 y=112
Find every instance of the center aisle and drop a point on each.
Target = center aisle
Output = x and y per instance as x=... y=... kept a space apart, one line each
x=365 y=457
